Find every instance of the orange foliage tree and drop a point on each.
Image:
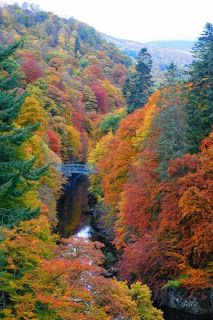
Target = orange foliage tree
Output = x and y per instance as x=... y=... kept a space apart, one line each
x=41 y=280
x=159 y=197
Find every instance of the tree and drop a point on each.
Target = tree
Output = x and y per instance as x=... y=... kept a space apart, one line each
x=90 y=99
x=32 y=113
x=137 y=87
x=6 y=52
x=115 y=96
x=17 y=173
x=40 y=280
x=77 y=46
x=23 y=250
x=54 y=141
x=31 y=69
x=101 y=97
x=200 y=97
x=111 y=121
x=185 y=227
x=12 y=75
x=94 y=70
x=171 y=74
x=142 y=296
x=118 y=72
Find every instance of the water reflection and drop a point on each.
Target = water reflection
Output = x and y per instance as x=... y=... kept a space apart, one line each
x=71 y=206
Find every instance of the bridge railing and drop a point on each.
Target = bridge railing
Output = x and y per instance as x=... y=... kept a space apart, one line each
x=68 y=169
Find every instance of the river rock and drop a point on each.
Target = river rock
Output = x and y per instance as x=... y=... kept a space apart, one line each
x=199 y=303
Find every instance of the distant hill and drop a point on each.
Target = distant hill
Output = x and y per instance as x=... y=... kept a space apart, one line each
x=163 y=52
x=183 y=46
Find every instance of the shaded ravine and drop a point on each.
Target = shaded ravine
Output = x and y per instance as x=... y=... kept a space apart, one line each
x=76 y=217
x=73 y=208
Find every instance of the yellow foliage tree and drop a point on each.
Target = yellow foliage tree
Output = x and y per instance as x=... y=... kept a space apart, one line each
x=31 y=113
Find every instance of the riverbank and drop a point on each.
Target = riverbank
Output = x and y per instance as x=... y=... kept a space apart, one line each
x=79 y=215
x=174 y=302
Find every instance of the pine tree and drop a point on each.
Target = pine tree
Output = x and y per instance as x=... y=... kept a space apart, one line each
x=77 y=46
x=138 y=84
x=6 y=52
x=90 y=99
x=200 y=98
x=16 y=173
x=171 y=74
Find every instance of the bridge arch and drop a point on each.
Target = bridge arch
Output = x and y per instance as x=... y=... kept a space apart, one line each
x=70 y=168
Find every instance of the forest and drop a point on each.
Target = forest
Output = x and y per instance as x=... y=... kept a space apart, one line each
x=69 y=96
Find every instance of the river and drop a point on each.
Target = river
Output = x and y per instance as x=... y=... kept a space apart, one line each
x=73 y=208
x=75 y=216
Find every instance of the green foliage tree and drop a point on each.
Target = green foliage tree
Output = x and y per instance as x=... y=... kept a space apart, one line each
x=16 y=173
x=111 y=121
x=90 y=99
x=173 y=141
x=77 y=46
x=142 y=296
x=9 y=67
x=171 y=74
x=138 y=84
x=9 y=50
x=200 y=98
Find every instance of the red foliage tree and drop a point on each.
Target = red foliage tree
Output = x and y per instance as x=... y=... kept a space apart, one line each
x=54 y=141
x=186 y=217
x=101 y=96
x=137 y=224
x=31 y=68
x=95 y=70
x=78 y=120
x=119 y=72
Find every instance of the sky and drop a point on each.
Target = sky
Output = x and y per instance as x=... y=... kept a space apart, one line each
x=138 y=20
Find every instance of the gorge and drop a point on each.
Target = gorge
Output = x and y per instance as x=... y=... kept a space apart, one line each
x=76 y=218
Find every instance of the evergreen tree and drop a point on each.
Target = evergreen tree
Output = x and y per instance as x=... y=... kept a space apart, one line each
x=16 y=173
x=172 y=83
x=12 y=70
x=200 y=98
x=90 y=99
x=138 y=84
x=77 y=46
x=171 y=74
x=6 y=52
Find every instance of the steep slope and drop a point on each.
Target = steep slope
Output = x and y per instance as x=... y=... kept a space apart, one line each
x=53 y=89
x=155 y=179
x=75 y=74
x=158 y=202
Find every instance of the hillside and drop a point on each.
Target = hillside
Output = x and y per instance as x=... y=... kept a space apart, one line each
x=58 y=78
x=105 y=181
x=162 y=52
x=155 y=179
x=184 y=46
x=77 y=75
x=176 y=51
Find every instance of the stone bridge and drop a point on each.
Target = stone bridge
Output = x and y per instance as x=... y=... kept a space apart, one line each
x=70 y=168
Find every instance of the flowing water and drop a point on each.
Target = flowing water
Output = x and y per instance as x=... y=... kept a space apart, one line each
x=75 y=219
x=73 y=208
